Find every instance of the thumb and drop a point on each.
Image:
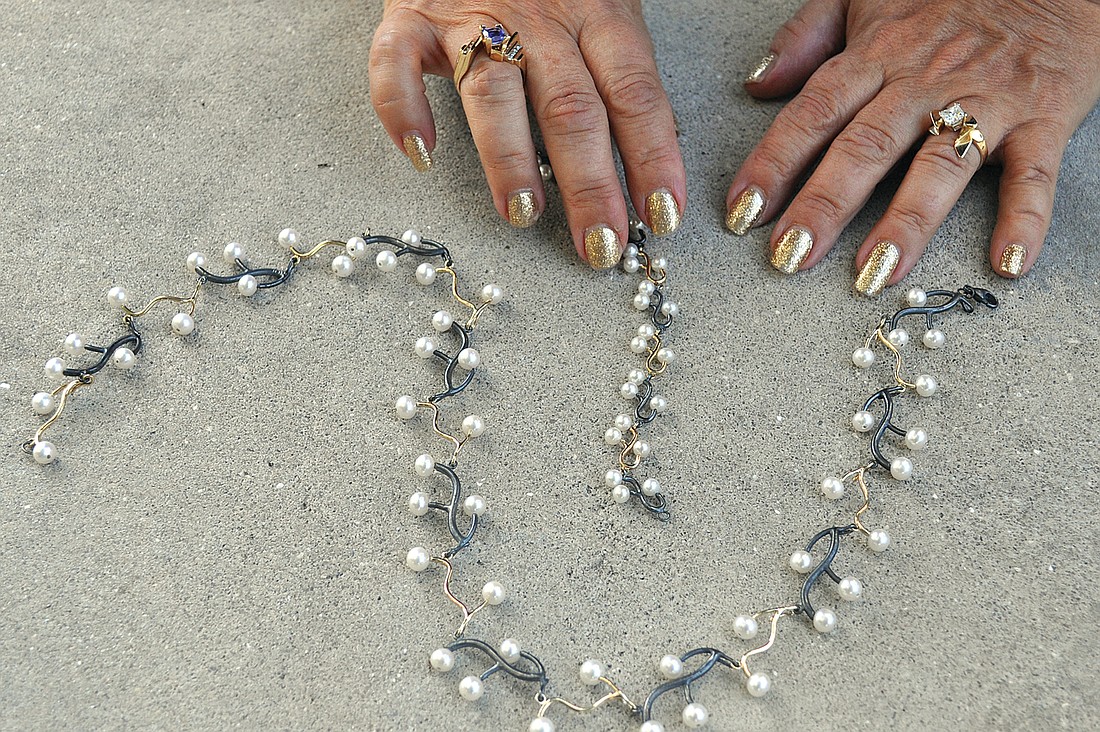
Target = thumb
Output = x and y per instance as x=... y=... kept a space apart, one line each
x=807 y=40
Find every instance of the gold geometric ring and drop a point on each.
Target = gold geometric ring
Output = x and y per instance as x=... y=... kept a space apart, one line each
x=498 y=43
x=962 y=123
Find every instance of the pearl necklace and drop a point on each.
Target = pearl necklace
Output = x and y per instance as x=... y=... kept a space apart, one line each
x=463 y=513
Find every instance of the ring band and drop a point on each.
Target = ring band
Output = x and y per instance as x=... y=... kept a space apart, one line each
x=962 y=123
x=498 y=43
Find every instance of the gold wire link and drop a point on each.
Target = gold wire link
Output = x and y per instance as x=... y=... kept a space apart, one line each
x=436 y=414
x=776 y=613
x=467 y=613
x=475 y=310
x=860 y=474
x=317 y=249
x=627 y=459
x=652 y=365
x=649 y=271
x=190 y=302
x=616 y=694
x=897 y=359
x=63 y=392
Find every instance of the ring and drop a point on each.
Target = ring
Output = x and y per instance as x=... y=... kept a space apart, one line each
x=961 y=122
x=498 y=43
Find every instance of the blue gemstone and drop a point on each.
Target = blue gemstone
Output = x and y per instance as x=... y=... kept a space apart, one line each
x=496 y=35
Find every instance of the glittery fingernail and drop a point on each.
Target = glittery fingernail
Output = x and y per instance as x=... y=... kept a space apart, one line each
x=758 y=72
x=662 y=212
x=745 y=211
x=1013 y=258
x=791 y=250
x=601 y=244
x=417 y=151
x=878 y=268
x=522 y=208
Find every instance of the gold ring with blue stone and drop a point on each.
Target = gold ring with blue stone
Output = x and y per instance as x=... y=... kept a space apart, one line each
x=498 y=43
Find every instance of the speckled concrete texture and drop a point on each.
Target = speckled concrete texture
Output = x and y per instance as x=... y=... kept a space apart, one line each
x=221 y=543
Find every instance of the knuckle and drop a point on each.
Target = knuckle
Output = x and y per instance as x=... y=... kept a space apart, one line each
x=386 y=48
x=634 y=94
x=574 y=110
x=488 y=84
x=940 y=162
x=593 y=192
x=814 y=109
x=913 y=219
x=824 y=204
x=774 y=159
x=1035 y=175
x=508 y=160
x=870 y=145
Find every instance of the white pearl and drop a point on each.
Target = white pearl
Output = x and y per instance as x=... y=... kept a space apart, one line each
x=659 y=263
x=493 y=593
x=642 y=449
x=55 y=368
x=182 y=324
x=801 y=561
x=630 y=251
x=232 y=252
x=386 y=260
x=342 y=265
x=509 y=650
x=695 y=715
x=411 y=237
x=425 y=273
x=591 y=671
x=658 y=403
x=74 y=344
x=628 y=390
x=620 y=493
x=878 y=541
x=646 y=330
x=44 y=452
x=850 y=588
x=247 y=285
x=832 y=488
x=666 y=355
x=288 y=238
x=934 y=339
x=926 y=385
x=863 y=357
x=117 y=296
x=418 y=559
x=540 y=724
x=425 y=347
x=636 y=377
x=418 y=504
x=442 y=659
x=638 y=344
x=624 y=421
x=613 y=477
x=406 y=407
x=196 y=260
x=631 y=265
x=474 y=505
x=670 y=308
x=758 y=684
x=641 y=302
x=42 y=403
x=645 y=287
x=651 y=487
x=863 y=421
x=901 y=468
x=745 y=627
x=356 y=247
x=471 y=688
x=469 y=359
x=442 y=320
x=612 y=436
x=424 y=465
x=473 y=425
x=898 y=337
x=492 y=294
x=123 y=358
x=916 y=297
x=671 y=667
x=652 y=726
x=916 y=439
x=825 y=620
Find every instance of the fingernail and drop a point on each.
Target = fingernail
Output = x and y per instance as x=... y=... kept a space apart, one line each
x=522 y=208
x=878 y=268
x=745 y=211
x=1012 y=259
x=601 y=244
x=761 y=70
x=662 y=213
x=417 y=152
x=792 y=249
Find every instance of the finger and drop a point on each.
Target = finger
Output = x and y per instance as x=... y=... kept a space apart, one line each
x=933 y=184
x=578 y=141
x=496 y=109
x=641 y=119
x=1031 y=163
x=829 y=101
x=397 y=90
x=860 y=156
x=812 y=35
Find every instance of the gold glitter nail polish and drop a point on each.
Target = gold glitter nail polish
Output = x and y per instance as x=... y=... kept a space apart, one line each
x=522 y=208
x=417 y=152
x=760 y=69
x=878 y=268
x=791 y=250
x=662 y=213
x=1012 y=259
x=745 y=211
x=601 y=244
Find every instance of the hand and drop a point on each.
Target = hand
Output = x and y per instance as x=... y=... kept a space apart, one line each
x=590 y=75
x=869 y=72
